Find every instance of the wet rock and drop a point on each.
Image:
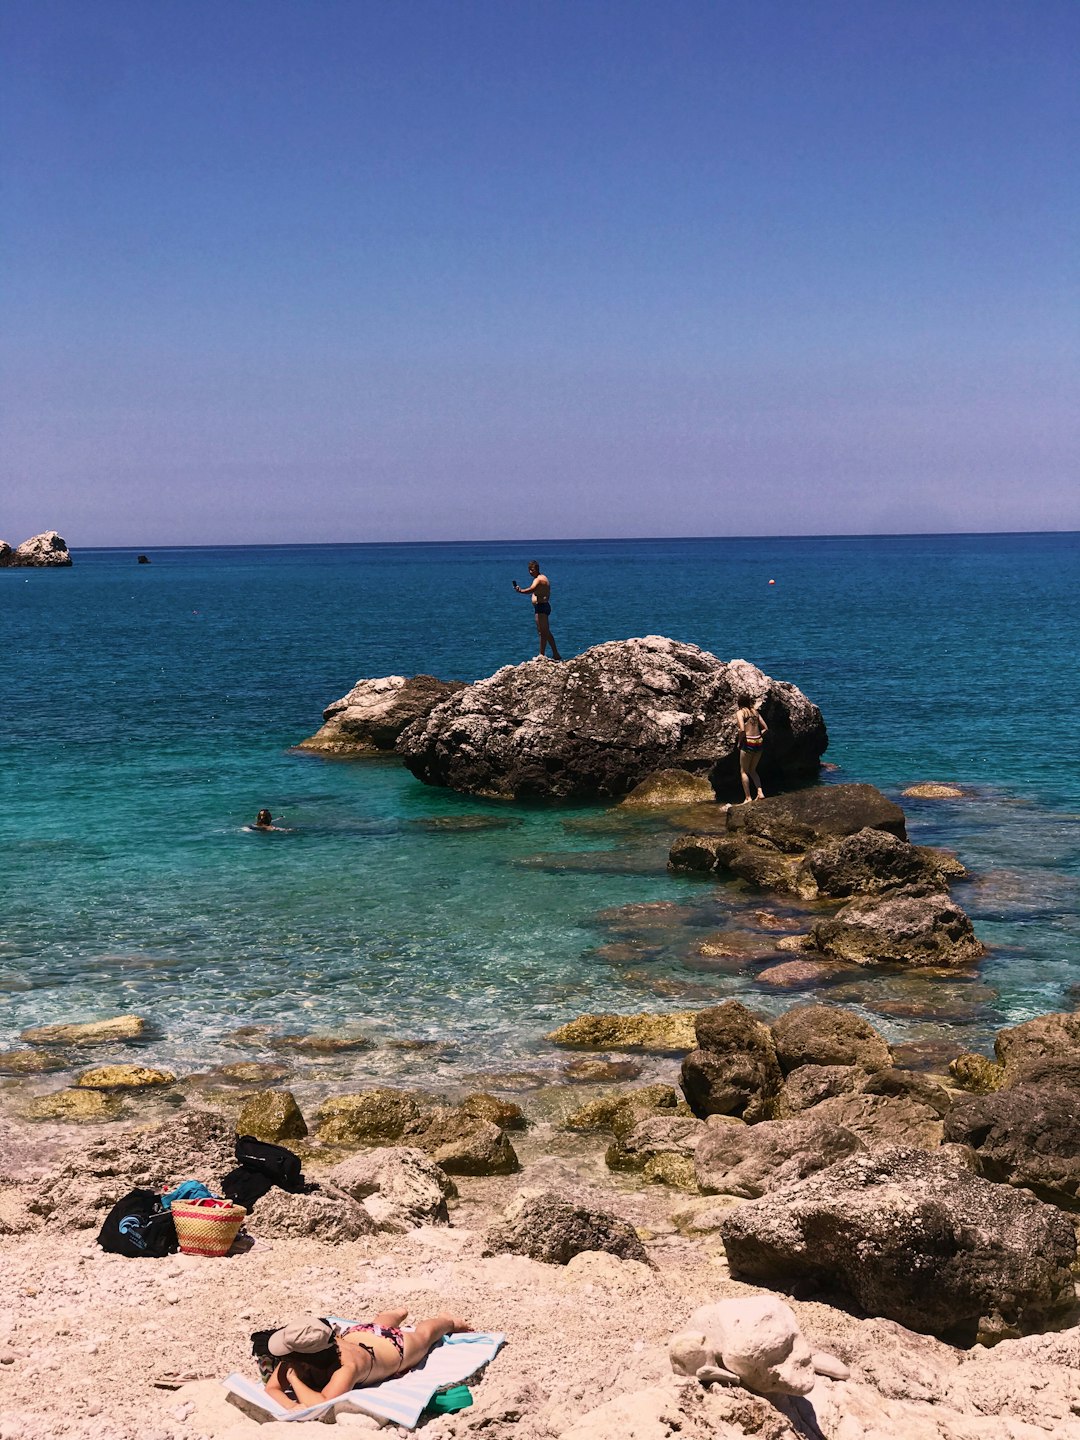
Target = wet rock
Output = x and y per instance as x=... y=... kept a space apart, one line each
x=665 y=1034
x=656 y=1135
x=934 y=790
x=600 y=723
x=80 y=1106
x=591 y=1072
x=669 y=787
x=250 y=1072
x=319 y=1044
x=366 y=1117
x=330 y=1216
x=808 y=1085
x=546 y=1228
x=916 y=930
x=88 y=1032
x=29 y=1062
x=827 y=1035
x=675 y=1171
x=870 y=862
x=1046 y=1040
x=696 y=852
x=195 y=1144
x=797 y=974
x=272 y=1115
x=124 y=1077
x=734 y=1070
x=400 y=1187
x=620 y=1113
x=375 y=712
x=976 y=1074
x=748 y=1160
x=44 y=550
x=914 y=1238
x=1027 y=1135
x=946 y=862
x=747 y=858
x=503 y=1113
x=464 y=1145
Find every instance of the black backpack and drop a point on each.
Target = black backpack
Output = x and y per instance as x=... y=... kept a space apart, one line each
x=261 y=1166
x=137 y=1227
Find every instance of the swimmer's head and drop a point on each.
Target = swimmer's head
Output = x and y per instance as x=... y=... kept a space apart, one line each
x=534 y=567
x=264 y=818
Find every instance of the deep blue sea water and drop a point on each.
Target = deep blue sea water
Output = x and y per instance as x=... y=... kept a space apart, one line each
x=149 y=711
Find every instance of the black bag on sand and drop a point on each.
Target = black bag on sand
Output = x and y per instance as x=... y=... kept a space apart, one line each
x=138 y=1227
x=260 y=1167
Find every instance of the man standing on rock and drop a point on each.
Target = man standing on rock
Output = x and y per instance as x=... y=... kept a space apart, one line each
x=540 y=590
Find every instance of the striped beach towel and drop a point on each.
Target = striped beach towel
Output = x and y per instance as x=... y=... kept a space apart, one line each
x=400 y=1401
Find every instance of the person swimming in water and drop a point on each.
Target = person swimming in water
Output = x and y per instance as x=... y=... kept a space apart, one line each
x=265 y=821
x=752 y=731
x=540 y=590
x=314 y=1361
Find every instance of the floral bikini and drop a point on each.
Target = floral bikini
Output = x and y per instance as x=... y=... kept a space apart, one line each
x=386 y=1332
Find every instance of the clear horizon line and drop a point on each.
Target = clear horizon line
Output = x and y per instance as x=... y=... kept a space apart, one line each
x=571 y=540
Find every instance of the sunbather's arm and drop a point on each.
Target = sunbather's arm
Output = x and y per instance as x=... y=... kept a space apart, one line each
x=338 y=1384
x=341 y=1382
x=274 y=1390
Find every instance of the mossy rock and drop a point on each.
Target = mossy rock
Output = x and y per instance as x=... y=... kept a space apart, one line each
x=250 y=1072
x=669 y=788
x=124 y=1077
x=29 y=1062
x=89 y=1032
x=80 y=1106
x=319 y=1044
x=366 y=1117
x=589 y=1071
x=665 y=1034
x=618 y=1114
x=272 y=1115
x=463 y=1144
x=503 y=1113
x=674 y=1170
x=976 y=1073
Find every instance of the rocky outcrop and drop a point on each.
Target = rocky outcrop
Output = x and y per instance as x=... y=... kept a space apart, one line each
x=375 y=712
x=901 y=929
x=368 y=1117
x=44 y=550
x=827 y=1035
x=1027 y=1135
x=546 y=1228
x=400 y=1188
x=749 y=1160
x=599 y=724
x=915 y=1238
x=870 y=862
x=272 y=1115
x=466 y=1145
x=795 y=823
x=124 y=1077
x=1047 y=1041
x=734 y=1070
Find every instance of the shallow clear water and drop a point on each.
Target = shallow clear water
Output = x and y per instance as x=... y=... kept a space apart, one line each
x=148 y=713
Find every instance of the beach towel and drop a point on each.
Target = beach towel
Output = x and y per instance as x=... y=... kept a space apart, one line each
x=400 y=1401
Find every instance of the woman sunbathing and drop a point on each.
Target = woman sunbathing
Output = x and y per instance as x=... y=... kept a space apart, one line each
x=317 y=1362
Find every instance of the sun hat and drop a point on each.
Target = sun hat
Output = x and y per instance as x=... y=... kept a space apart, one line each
x=303 y=1335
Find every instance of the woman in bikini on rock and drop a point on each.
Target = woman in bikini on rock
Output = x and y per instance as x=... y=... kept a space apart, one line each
x=752 y=730
x=317 y=1362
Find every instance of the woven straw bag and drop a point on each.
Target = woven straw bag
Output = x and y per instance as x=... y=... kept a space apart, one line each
x=207 y=1227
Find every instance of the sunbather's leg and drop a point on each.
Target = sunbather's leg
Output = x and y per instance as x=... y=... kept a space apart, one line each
x=388 y=1319
x=426 y=1335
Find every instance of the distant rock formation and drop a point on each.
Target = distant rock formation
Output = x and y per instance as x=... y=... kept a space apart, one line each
x=602 y=722
x=46 y=549
x=375 y=712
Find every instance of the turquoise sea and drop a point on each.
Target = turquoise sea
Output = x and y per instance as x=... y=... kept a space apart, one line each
x=149 y=711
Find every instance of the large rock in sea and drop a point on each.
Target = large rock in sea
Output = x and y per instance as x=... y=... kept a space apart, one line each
x=602 y=722
x=899 y=929
x=44 y=550
x=375 y=712
x=913 y=1237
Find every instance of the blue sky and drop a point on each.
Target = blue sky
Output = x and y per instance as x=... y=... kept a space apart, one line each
x=307 y=270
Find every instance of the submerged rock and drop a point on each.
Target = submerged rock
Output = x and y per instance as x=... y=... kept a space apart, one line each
x=320 y=1044
x=601 y=1071
x=600 y=723
x=375 y=712
x=503 y=1113
x=902 y=929
x=548 y=1229
x=914 y=1238
x=272 y=1115
x=88 y=1032
x=665 y=1034
x=124 y=1077
x=29 y=1062
x=44 y=550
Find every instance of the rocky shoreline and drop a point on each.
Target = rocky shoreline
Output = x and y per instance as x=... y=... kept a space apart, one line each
x=44 y=551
